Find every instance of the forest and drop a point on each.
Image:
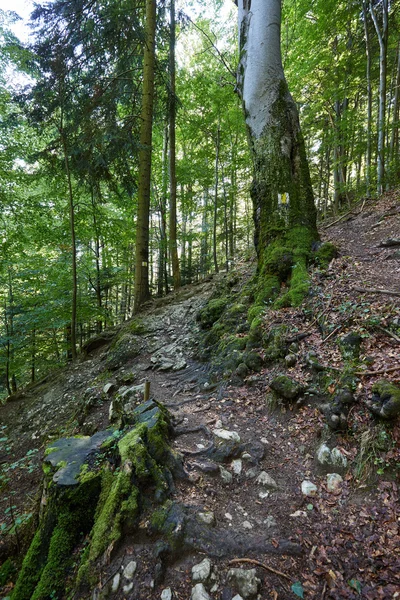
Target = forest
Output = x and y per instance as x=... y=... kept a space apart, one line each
x=199 y=307
x=71 y=114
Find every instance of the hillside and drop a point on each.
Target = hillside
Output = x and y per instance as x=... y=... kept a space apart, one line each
x=252 y=431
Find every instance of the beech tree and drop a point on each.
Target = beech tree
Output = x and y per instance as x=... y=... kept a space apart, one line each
x=283 y=202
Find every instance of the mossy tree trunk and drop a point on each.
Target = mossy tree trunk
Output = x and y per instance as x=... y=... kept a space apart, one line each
x=283 y=202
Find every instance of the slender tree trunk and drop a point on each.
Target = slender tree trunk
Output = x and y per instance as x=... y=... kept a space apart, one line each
x=369 y=101
x=73 y=244
x=395 y=118
x=383 y=44
x=142 y=291
x=172 y=155
x=217 y=149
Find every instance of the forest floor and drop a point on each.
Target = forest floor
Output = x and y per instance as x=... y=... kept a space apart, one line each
x=349 y=539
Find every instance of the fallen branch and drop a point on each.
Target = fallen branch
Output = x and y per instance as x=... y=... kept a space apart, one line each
x=331 y=334
x=389 y=333
x=297 y=338
x=339 y=219
x=376 y=291
x=380 y=372
x=251 y=561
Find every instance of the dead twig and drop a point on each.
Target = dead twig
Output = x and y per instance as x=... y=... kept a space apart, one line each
x=331 y=334
x=376 y=291
x=324 y=591
x=251 y=561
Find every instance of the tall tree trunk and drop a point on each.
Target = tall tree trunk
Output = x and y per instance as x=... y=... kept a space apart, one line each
x=383 y=36
x=395 y=119
x=217 y=148
x=142 y=291
x=369 y=101
x=172 y=155
x=72 y=350
x=283 y=202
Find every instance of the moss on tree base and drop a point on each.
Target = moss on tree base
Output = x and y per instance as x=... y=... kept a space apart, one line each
x=103 y=501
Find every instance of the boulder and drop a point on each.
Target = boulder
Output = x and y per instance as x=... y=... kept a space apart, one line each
x=202 y=571
x=286 y=387
x=385 y=401
x=244 y=581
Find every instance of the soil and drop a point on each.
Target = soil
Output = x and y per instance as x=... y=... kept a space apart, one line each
x=349 y=539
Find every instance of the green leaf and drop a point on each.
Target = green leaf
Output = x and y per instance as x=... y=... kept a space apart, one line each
x=356 y=585
x=297 y=589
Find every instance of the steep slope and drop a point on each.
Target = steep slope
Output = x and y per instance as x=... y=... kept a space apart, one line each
x=251 y=440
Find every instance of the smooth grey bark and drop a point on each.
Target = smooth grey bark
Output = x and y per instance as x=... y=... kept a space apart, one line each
x=369 y=101
x=383 y=37
x=282 y=195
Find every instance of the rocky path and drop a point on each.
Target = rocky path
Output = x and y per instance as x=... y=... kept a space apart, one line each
x=274 y=504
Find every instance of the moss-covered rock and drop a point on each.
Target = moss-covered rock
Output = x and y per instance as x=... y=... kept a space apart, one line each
x=385 y=401
x=211 y=312
x=124 y=348
x=253 y=360
x=325 y=254
x=286 y=387
x=274 y=343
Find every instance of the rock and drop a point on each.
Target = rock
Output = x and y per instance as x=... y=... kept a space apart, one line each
x=115 y=583
x=224 y=434
x=199 y=592
x=290 y=360
x=228 y=516
x=251 y=473
x=242 y=370
x=237 y=597
x=385 y=401
x=127 y=588
x=335 y=413
x=324 y=455
x=237 y=466
x=334 y=457
x=123 y=349
x=266 y=481
x=130 y=569
x=299 y=513
x=247 y=525
x=338 y=458
x=166 y=594
x=206 y=517
x=253 y=360
x=244 y=581
x=270 y=522
x=308 y=488
x=312 y=361
x=207 y=466
x=97 y=341
x=286 y=387
x=334 y=482
x=255 y=449
x=225 y=475
x=350 y=346
x=201 y=572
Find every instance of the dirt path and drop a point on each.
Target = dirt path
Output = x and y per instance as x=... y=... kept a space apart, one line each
x=349 y=538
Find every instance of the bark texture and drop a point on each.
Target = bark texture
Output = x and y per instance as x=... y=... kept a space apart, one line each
x=142 y=291
x=283 y=202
